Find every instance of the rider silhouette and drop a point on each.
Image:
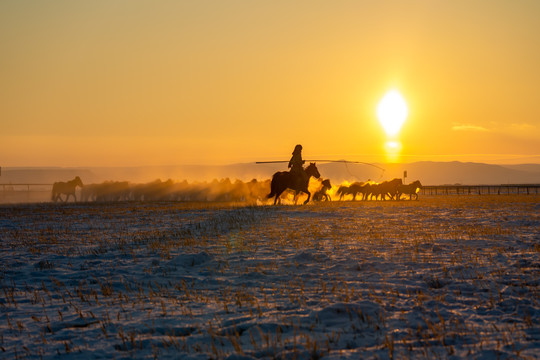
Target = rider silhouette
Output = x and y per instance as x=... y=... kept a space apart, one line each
x=296 y=164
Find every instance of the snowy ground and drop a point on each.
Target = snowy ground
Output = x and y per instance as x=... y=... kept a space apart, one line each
x=443 y=277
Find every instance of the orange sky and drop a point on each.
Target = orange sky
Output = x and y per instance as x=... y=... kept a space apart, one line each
x=127 y=83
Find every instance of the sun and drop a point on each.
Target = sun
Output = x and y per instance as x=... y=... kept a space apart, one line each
x=392 y=112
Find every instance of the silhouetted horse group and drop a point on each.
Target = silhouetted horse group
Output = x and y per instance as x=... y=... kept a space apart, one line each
x=217 y=190
x=392 y=189
x=386 y=190
x=112 y=191
x=225 y=190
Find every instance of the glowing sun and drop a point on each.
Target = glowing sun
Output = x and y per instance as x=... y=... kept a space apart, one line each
x=392 y=112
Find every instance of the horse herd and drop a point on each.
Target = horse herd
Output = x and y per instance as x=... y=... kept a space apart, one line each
x=222 y=190
x=392 y=189
x=282 y=184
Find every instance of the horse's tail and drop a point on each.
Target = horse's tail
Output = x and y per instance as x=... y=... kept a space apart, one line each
x=272 y=188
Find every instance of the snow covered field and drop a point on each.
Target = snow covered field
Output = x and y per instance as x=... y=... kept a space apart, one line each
x=443 y=277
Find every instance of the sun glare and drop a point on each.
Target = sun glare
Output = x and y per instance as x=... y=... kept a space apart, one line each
x=392 y=150
x=392 y=112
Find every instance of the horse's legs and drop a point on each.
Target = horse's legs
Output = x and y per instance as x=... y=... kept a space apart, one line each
x=308 y=197
x=278 y=194
x=56 y=197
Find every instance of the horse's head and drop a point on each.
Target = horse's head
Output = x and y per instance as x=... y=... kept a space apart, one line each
x=78 y=182
x=312 y=170
x=326 y=184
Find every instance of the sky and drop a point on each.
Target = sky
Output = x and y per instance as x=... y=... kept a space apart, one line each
x=135 y=83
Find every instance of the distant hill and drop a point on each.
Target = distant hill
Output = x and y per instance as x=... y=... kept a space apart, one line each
x=35 y=175
x=440 y=173
x=429 y=173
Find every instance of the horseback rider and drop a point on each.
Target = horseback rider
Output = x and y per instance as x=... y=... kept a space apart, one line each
x=296 y=164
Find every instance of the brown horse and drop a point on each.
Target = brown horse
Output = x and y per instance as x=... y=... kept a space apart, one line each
x=283 y=180
x=410 y=189
x=321 y=194
x=391 y=187
x=66 y=188
x=354 y=189
x=385 y=188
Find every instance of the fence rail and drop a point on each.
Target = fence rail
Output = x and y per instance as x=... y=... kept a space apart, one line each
x=10 y=187
x=504 y=189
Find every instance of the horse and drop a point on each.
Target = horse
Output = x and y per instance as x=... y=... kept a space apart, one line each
x=354 y=189
x=283 y=180
x=385 y=188
x=112 y=191
x=342 y=191
x=347 y=190
x=374 y=190
x=365 y=190
x=410 y=189
x=67 y=188
x=392 y=188
x=321 y=194
x=88 y=192
x=359 y=188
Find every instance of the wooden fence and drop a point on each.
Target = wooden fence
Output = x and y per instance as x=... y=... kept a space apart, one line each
x=17 y=187
x=18 y=192
x=505 y=189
